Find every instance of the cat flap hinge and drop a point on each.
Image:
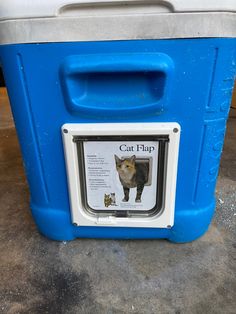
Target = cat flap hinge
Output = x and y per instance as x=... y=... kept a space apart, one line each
x=110 y=138
x=121 y=213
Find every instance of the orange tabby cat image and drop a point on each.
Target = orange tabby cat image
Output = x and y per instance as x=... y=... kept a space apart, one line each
x=132 y=175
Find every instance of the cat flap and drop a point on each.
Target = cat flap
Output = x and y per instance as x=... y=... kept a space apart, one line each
x=121 y=173
x=122 y=176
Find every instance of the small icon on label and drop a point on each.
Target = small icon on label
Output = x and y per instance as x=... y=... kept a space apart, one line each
x=110 y=199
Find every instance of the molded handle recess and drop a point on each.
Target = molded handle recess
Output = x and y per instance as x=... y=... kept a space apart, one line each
x=116 y=84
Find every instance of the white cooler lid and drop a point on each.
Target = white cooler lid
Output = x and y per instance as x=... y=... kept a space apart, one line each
x=25 y=21
x=15 y=9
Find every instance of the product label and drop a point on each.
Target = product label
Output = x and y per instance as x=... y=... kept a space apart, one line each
x=121 y=175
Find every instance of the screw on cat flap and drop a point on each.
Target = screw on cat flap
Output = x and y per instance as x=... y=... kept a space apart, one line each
x=121 y=116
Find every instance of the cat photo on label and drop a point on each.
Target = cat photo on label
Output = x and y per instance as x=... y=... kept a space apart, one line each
x=110 y=199
x=132 y=174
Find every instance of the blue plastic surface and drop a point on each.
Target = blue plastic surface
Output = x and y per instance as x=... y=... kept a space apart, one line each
x=56 y=83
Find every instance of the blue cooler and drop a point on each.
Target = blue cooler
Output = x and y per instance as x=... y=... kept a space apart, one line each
x=120 y=109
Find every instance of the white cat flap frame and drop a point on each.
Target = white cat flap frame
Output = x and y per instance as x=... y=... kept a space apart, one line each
x=164 y=217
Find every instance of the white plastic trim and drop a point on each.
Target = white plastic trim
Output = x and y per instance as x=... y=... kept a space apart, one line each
x=118 y=27
x=14 y=9
x=79 y=215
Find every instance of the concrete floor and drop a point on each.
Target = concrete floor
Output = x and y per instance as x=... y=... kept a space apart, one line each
x=100 y=276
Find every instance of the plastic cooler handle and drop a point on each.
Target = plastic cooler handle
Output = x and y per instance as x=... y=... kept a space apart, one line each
x=110 y=84
x=74 y=7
